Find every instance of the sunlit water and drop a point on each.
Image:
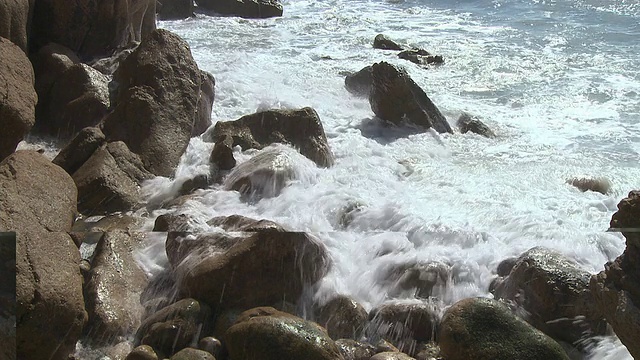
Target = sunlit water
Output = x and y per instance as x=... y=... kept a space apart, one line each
x=557 y=81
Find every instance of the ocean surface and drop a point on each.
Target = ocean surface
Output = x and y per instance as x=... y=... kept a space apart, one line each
x=558 y=81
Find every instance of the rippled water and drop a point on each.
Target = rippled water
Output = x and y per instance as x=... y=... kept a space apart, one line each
x=558 y=82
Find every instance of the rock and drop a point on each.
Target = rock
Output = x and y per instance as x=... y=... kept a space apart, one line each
x=237 y=271
x=343 y=318
x=15 y=16
x=391 y=356
x=192 y=354
x=80 y=149
x=109 y=65
x=384 y=43
x=554 y=290
x=420 y=57
x=244 y=8
x=205 y=103
x=506 y=265
x=354 y=350
x=174 y=327
x=174 y=9
x=211 y=345
x=113 y=289
x=428 y=351
x=190 y=185
x=89 y=28
x=222 y=154
x=421 y=280
x=404 y=324
x=17 y=96
x=171 y=223
x=35 y=194
x=108 y=181
x=616 y=290
x=111 y=222
x=395 y=96
x=157 y=101
x=271 y=334
x=142 y=352
x=50 y=307
x=244 y=224
x=485 y=329
x=49 y=63
x=601 y=185
x=359 y=83
x=301 y=129
x=468 y=123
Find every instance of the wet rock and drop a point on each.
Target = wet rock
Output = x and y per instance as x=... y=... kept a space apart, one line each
x=80 y=149
x=616 y=290
x=17 y=96
x=205 y=103
x=506 y=265
x=92 y=29
x=192 y=354
x=174 y=9
x=395 y=97
x=421 y=280
x=35 y=194
x=468 y=123
x=113 y=290
x=354 y=350
x=391 y=356
x=486 y=329
x=50 y=306
x=266 y=333
x=112 y=222
x=190 y=185
x=428 y=351
x=238 y=271
x=359 y=83
x=142 y=352
x=174 y=327
x=211 y=345
x=171 y=223
x=343 y=318
x=404 y=324
x=156 y=102
x=383 y=345
x=420 y=57
x=15 y=16
x=554 y=290
x=300 y=128
x=222 y=154
x=601 y=185
x=245 y=224
x=384 y=43
x=109 y=181
x=109 y=65
x=244 y=8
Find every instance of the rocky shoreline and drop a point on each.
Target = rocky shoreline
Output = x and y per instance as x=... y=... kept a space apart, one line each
x=125 y=98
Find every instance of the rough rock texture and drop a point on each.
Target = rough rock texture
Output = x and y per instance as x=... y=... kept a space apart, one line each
x=113 y=289
x=35 y=194
x=601 y=185
x=384 y=43
x=359 y=83
x=92 y=28
x=171 y=223
x=15 y=16
x=108 y=181
x=50 y=307
x=205 y=103
x=554 y=291
x=157 y=101
x=420 y=57
x=617 y=288
x=174 y=9
x=343 y=318
x=301 y=129
x=404 y=324
x=468 y=123
x=109 y=65
x=80 y=149
x=265 y=333
x=244 y=8
x=395 y=97
x=142 y=352
x=354 y=350
x=485 y=329
x=389 y=355
x=222 y=154
x=192 y=354
x=243 y=223
x=239 y=271
x=17 y=96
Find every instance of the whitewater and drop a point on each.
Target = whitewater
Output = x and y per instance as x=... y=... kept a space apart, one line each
x=557 y=81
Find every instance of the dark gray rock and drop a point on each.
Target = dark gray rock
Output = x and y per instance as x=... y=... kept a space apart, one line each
x=384 y=43
x=359 y=83
x=468 y=123
x=243 y=8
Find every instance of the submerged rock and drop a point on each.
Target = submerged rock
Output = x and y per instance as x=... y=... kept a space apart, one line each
x=244 y=8
x=468 y=123
x=355 y=350
x=384 y=43
x=420 y=57
x=601 y=185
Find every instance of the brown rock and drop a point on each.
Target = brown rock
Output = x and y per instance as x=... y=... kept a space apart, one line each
x=343 y=318
x=359 y=83
x=404 y=324
x=192 y=354
x=222 y=154
x=243 y=223
x=468 y=123
x=171 y=223
x=174 y=9
x=211 y=345
x=421 y=280
x=391 y=356
x=49 y=63
x=15 y=16
x=384 y=43
x=80 y=149
x=109 y=65
x=244 y=8
x=354 y=350
x=142 y=352
x=205 y=102
x=17 y=96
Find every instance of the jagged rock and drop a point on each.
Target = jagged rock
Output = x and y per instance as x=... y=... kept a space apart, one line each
x=243 y=223
x=468 y=123
x=244 y=8
x=80 y=149
x=616 y=290
x=420 y=57
x=222 y=154
x=395 y=97
x=17 y=96
x=35 y=194
x=15 y=16
x=192 y=354
x=50 y=306
x=109 y=65
x=156 y=102
x=174 y=9
x=142 y=352
x=384 y=43
x=354 y=350
x=485 y=329
x=300 y=128
x=265 y=333
x=171 y=223
x=601 y=185
x=205 y=103
x=359 y=83
x=108 y=181
x=404 y=324
x=343 y=318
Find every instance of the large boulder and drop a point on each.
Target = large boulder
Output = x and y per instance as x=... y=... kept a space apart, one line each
x=359 y=83
x=554 y=291
x=92 y=28
x=15 y=16
x=80 y=149
x=109 y=180
x=17 y=97
x=343 y=318
x=395 y=97
x=617 y=289
x=174 y=9
x=405 y=325
x=113 y=289
x=268 y=334
x=35 y=194
x=381 y=41
x=300 y=128
x=244 y=8
x=238 y=271
x=205 y=103
x=354 y=350
x=50 y=306
x=157 y=101
x=485 y=329
x=192 y=354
